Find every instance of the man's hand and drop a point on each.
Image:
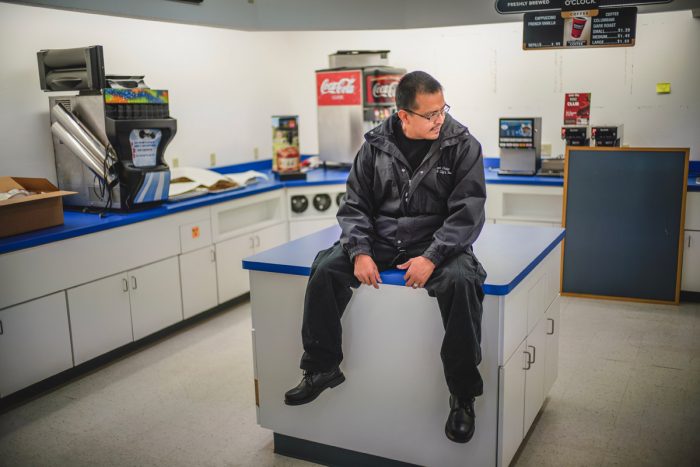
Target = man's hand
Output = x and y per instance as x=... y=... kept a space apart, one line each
x=419 y=271
x=366 y=271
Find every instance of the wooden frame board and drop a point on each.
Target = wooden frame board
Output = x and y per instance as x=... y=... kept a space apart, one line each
x=628 y=185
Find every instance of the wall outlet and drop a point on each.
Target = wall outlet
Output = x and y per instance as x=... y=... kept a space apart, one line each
x=176 y=162
x=546 y=149
x=212 y=159
x=256 y=153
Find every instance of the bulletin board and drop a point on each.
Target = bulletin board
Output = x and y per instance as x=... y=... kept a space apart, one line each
x=624 y=211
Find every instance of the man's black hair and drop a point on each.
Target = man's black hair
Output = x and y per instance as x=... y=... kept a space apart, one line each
x=416 y=82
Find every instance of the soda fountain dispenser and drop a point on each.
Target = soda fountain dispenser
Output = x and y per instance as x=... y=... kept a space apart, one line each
x=355 y=94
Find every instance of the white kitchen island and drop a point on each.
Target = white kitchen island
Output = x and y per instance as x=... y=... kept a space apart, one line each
x=392 y=408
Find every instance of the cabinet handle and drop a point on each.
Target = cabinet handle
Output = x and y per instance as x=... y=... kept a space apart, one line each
x=125 y=285
x=2 y=330
x=257 y=241
x=528 y=360
x=134 y=285
x=689 y=240
x=252 y=242
x=534 y=353
x=550 y=333
x=213 y=255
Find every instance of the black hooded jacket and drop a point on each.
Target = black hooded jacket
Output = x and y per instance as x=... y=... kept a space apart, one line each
x=440 y=205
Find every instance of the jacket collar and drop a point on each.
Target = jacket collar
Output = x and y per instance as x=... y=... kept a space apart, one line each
x=382 y=137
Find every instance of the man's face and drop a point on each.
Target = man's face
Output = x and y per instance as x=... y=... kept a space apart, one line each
x=415 y=123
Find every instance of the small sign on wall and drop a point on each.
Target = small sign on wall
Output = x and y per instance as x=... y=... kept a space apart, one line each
x=577 y=108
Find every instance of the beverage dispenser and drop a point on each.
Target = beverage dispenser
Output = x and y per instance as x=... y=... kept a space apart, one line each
x=519 y=140
x=354 y=95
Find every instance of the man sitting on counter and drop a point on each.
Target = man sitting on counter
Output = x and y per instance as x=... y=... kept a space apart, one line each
x=414 y=201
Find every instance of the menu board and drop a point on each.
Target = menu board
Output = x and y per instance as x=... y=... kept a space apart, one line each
x=610 y=27
x=614 y=27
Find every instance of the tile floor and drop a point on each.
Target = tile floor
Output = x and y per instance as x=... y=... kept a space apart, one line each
x=628 y=394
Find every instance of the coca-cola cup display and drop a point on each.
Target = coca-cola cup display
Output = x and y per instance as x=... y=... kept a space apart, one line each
x=577 y=26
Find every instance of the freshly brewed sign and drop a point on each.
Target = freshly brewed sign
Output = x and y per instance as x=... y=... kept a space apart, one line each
x=610 y=27
x=524 y=6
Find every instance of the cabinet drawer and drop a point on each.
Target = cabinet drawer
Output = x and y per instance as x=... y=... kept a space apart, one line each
x=195 y=235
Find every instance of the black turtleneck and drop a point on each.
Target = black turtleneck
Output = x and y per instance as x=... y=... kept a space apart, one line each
x=414 y=150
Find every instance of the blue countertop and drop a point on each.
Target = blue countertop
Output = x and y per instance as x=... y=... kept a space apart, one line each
x=78 y=223
x=507 y=252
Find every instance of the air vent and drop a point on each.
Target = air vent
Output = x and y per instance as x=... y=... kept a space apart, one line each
x=66 y=103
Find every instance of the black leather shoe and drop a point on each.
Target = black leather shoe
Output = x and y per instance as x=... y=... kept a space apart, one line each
x=460 y=423
x=313 y=384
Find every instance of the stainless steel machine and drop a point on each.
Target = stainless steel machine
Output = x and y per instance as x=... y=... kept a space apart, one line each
x=109 y=139
x=519 y=140
x=354 y=95
x=607 y=136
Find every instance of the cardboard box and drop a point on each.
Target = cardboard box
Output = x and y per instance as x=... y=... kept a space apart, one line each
x=27 y=213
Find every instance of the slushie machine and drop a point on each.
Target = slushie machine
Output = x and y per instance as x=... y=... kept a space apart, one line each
x=109 y=139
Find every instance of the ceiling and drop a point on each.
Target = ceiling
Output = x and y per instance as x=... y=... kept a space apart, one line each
x=305 y=15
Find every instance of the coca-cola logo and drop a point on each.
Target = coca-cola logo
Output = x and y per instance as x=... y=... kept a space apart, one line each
x=384 y=90
x=342 y=86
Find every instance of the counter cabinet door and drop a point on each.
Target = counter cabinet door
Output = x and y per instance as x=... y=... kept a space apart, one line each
x=100 y=317
x=551 y=368
x=690 y=280
x=534 y=376
x=34 y=342
x=270 y=237
x=156 y=301
x=232 y=279
x=512 y=404
x=198 y=276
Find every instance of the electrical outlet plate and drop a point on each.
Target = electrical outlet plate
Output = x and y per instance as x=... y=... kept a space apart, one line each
x=546 y=149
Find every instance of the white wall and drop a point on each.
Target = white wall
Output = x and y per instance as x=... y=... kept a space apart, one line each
x=225 y=85
x=487 y=75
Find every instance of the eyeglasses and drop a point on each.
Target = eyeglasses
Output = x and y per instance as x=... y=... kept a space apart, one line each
x=432 y=116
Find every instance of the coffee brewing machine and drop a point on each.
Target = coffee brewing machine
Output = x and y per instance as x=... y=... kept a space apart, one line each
x=575 y=135
x=519 y=140
x=355 y=94
x=607 y=136
x=109 y=139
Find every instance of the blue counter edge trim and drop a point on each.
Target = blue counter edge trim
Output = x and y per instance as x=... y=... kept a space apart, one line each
x=45 y=236
x=395 y=276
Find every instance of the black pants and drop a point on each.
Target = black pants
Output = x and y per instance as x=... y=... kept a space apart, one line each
x=457 y=284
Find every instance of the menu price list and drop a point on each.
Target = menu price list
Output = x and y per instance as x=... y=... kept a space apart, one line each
x=614 y=27
x=611 y=27
x=543 y=30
